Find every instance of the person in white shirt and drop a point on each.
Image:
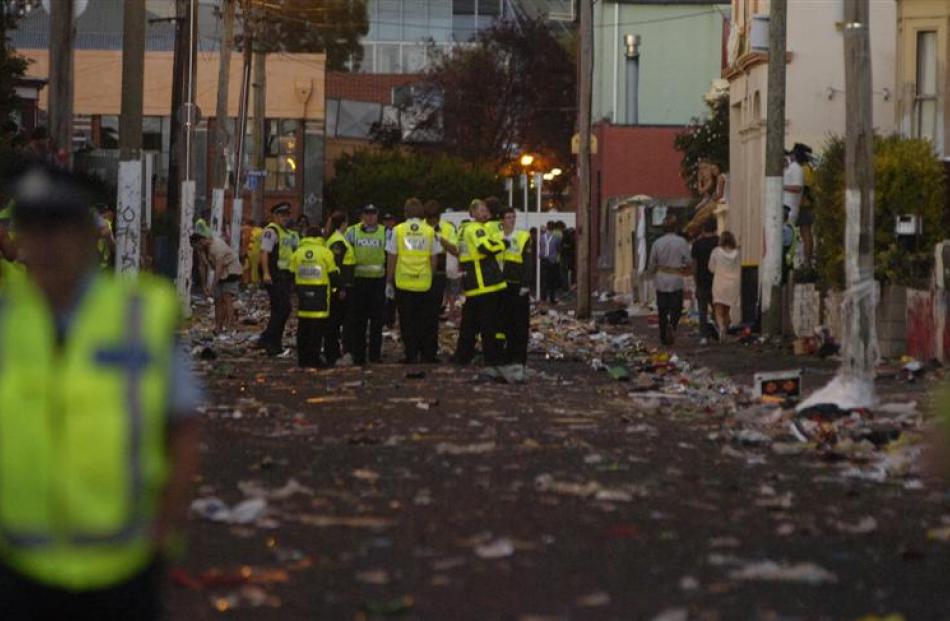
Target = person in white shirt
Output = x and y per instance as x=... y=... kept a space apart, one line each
x=793 y=183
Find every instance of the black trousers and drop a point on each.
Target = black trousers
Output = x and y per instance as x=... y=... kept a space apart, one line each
x=414 y=309
x=278 y=294
x=550 y=280
x=138 y=599
x=481 y=315
x=703 y=304
x=366 y=306
x=670 y=306
x=309 y=336
x=436 y=296
x=333 y=329
x=516 y=311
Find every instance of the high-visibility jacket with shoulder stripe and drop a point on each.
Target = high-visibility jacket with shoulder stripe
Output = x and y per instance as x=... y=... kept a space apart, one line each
x=344 y=255
x=478 y=256
x=286 y=245
x=514 y=259
x=447 y=233
x=83 y=430
x=314 y=267
x=414 y=240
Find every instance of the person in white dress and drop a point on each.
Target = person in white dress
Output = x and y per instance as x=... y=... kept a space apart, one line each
x=726 y=266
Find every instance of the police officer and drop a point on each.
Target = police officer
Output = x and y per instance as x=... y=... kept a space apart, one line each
x=482 y=283
x=515 y=301
x=315 y=276
x=98 y=440
x=345 y=260
x=411 y=263
x=277 y=247
x=367 y=297
x=446 y=243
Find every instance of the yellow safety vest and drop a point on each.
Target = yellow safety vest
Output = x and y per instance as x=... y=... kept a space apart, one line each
x=414 y=239
x=312 y=265
x=513 y=257
x=349 y=257
x=83 y=430
x=286 y=244
x=479 y=251
x=369 y=251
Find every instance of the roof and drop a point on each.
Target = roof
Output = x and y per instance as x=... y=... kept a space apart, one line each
x=100 y=28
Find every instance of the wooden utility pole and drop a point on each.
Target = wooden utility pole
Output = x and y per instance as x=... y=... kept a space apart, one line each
x=133 y=79
x=128 y=225
x=258 y=133
x=583 y=160
x=224 y=84
x=860 y=331
x=179 y=76
x=237 y=205
x=770 y=276
x=61 y=75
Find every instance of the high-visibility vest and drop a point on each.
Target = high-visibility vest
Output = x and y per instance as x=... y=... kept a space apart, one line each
x=369 y=249
x=105 y=252
x=349 y=257
x=312 y=265
x=448 y=233
x=414 y=239
x=83 y=430
x=513 y=257
x=479 y=252
x=286 y=244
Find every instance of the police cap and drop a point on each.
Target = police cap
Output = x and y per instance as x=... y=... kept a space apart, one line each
x=47 y=197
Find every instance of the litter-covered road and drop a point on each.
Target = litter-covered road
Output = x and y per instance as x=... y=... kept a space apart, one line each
x=621 y=482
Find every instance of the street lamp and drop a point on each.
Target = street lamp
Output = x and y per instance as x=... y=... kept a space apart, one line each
x=556 y=172
x=527 y=159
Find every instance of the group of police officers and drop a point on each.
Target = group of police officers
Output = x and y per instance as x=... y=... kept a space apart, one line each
x=345 y=275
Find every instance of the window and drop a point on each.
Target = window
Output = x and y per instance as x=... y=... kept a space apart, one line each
x=387 y=59
x=280 y=155
x=463 y=20
x=108 y=132
x=925 y=99
x=390 y=20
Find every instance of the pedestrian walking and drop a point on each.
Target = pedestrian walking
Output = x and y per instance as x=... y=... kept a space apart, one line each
x=550 y=263
x=669 y=262
x=224 y=284
x=98 y=435
x=277 y=247
x=482 y=282
x=701 y=250
x=366 y=305
x=446 y=244
x=726 y=266
x=345 y=260
x=315 y=276
x=411 y=264
x=516 y=300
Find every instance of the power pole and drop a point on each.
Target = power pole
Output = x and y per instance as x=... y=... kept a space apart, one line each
x=179 y=75
x=258 y=133
x=583 y=157
x=237 y=205
x=860 y=331
x=61 y=75
x=770 y=277
x=853 y=386
x=129 y=203
x=224 y=79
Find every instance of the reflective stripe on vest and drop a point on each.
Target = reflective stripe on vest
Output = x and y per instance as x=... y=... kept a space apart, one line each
x=83 y=465
x=482 y=272
x=414 y=241
x=286 y=244
x=370 y=252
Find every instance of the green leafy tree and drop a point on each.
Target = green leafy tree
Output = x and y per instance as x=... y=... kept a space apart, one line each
x=705 y=139
x=12 y=67
x=513 y=90
x=908 y=179
x=310 y=26
x=387 y=178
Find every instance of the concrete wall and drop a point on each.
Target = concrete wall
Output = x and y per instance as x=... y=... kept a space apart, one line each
x=681 y=52
x=815 y=105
